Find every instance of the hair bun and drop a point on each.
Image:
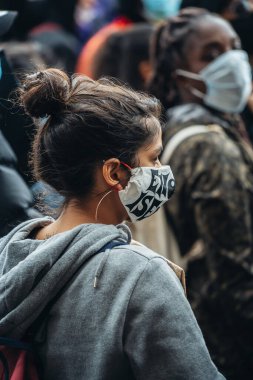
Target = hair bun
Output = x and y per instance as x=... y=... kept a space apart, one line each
x=45 y=92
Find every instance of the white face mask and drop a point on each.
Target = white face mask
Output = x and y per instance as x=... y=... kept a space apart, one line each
x=228 y=81
x=147 y=190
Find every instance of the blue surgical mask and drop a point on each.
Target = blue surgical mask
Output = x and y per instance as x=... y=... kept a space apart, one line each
x=161 y=9
x=1 y=71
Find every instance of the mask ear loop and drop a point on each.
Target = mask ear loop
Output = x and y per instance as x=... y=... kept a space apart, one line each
x=99 y=203
x=197 y=93
x=126 y=166
x=188 y=74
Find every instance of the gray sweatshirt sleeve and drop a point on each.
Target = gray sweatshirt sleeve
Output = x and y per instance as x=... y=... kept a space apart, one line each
x=161 y=338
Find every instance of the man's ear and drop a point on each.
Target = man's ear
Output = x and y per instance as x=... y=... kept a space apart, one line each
x=113 y=173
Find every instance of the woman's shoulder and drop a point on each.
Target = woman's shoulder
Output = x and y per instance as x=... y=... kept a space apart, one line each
x=138 y=252
x=136 y=258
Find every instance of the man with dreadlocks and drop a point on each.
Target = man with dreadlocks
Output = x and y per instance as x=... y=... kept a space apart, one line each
x=203 y=79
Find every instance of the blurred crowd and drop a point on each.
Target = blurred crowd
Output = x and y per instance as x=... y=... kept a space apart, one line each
x=196 y=57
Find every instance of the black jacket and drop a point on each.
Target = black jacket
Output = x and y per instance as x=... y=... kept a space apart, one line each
x=15 y=197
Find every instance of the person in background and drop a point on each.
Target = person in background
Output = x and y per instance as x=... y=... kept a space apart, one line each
x=92 y=15
x=125 y=56
x=243 y=26
x=29 y=14
x=24 y=57
x=50 y=23
x=157 y=10
x=32 y=13
x=228 y=9
x=16 y=199
x=20 y=58
x=240 y=15
x=203 y=79
x=116 y=309
x=64 y=46
x=130 y=13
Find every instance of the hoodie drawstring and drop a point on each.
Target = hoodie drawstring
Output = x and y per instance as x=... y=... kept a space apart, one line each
x=101 y=267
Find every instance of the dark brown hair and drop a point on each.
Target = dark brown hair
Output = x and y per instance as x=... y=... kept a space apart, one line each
x=167 y=52
x=122 y=54
x=217 y=6
x=82 y=122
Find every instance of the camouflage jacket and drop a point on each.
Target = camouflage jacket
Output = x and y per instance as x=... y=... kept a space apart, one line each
x=213 y=203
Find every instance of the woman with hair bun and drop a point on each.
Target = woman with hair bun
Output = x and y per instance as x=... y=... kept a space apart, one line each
x=100 y=307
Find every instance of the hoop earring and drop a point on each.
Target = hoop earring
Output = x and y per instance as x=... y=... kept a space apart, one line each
x=99 y=203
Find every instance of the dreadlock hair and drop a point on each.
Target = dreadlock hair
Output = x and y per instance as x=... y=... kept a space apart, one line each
x=167 y=52
x=217 y=6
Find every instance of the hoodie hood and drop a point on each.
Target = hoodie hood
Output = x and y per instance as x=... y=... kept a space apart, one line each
x=32 y=272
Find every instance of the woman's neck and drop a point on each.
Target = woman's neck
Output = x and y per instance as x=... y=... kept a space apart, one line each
x=76 y=213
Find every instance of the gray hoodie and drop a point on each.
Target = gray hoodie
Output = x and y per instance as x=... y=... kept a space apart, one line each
x=121 y=314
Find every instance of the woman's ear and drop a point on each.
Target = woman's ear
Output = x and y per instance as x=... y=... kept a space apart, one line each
x=113 y=173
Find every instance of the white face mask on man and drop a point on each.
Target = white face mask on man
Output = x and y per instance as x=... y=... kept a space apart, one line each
x=228 y=81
